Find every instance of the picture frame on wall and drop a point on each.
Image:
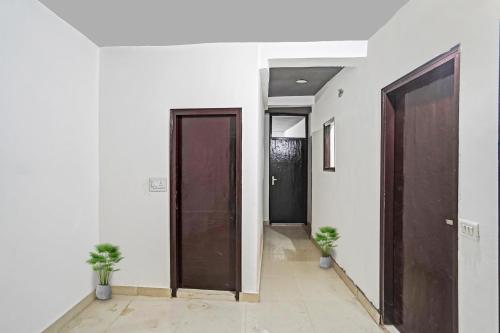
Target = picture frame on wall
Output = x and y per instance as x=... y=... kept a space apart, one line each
x=329 y=145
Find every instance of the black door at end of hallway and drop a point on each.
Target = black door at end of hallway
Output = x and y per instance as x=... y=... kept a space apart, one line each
x=288 y=180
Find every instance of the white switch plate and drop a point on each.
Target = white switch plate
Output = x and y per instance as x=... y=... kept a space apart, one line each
x=469 y=229
x=157 y=184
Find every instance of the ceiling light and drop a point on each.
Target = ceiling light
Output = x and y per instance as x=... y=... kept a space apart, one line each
x=301 y=81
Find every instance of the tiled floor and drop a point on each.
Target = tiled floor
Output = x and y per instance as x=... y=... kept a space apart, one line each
x=296 y=296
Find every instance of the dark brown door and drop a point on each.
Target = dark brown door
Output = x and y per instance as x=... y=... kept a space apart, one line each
x=288 y=183
x=207 y=199
x=425 y=200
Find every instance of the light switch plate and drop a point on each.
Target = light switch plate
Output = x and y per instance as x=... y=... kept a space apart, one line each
x=157 y=184
x=469 y=229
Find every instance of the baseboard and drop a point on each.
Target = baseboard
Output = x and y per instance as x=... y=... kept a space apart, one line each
x=250 y=297
x=358 y=293
x=124 y=290
x=70 y=314
x=261 y=259
x=141 y=291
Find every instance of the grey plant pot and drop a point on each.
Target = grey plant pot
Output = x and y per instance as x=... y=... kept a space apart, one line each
x=325 y=262
x=103 y=292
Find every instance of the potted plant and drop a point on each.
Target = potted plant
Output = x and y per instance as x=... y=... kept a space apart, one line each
x=103 y=261
x=325 y=239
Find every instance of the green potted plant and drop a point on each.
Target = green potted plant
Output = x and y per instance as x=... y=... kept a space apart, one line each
x=325 y=238
x=103 y=261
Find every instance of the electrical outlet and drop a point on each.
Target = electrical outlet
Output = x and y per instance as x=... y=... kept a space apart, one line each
x=157 y=184
x=469 y=229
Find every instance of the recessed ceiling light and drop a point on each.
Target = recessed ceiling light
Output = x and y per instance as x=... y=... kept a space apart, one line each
x=301 y=81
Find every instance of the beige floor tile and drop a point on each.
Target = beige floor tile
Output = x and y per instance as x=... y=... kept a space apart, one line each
x=278 y=317
x=98 y=316
x=275 y=268
x=288 y=255
x=323 y=288
x=148 y=314
x=297 y=244
x=279 y=289
x=301 y=255
x=311 y=270
x=212 y=317
x=340 y=316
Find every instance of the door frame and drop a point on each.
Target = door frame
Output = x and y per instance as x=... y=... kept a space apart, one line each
x=387 y=182
x=304 y=114
x=175 y=114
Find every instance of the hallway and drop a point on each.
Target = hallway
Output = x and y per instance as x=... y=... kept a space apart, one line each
x=296 y=296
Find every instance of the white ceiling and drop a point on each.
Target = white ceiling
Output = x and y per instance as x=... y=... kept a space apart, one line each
x=168 y=22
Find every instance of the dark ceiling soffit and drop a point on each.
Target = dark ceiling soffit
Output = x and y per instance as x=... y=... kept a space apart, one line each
x=282 y=80
x=290 y=110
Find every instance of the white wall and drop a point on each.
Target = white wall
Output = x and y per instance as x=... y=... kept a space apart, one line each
x=349 y=198
x=280 y=54
x=139 y=86
x=48 y=165
x=261 y=180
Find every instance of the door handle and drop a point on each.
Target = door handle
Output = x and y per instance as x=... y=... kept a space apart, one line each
x=449 y=222
x=273 y=180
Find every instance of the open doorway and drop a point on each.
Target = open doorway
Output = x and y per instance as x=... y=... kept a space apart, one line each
x=288 y=168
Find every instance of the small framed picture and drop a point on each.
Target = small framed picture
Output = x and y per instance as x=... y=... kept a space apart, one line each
x=329 y=145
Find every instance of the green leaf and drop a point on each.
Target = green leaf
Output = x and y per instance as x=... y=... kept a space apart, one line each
x=325 y=238
x=104 y=259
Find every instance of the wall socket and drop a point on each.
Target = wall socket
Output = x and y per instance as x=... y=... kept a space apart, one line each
x=157 y=184
x=469 y=229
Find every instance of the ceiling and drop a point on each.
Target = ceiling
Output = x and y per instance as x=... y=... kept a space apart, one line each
x=282 y=80
x=161 y=22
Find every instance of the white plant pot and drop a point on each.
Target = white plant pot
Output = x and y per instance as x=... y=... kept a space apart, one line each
x=103 y=292
x=325 y=262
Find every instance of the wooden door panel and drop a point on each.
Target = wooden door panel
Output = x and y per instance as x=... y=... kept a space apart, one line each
x=206 y=197
x=207 y=202
x=425 y=197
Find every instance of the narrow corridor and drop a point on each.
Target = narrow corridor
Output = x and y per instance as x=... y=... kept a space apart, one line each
x=293 y=283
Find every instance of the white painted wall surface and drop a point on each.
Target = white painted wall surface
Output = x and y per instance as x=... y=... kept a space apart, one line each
x=139 y=86
x=48 y=165
x=261 y=182
x=349 y=198
x=276 y=53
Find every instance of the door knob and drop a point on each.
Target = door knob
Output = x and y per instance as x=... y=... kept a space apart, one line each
x=273 y=180
x=449 y=222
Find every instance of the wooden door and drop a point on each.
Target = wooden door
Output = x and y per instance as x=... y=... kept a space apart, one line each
x=206 y=201
x=422 y=116
x=288 y=180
